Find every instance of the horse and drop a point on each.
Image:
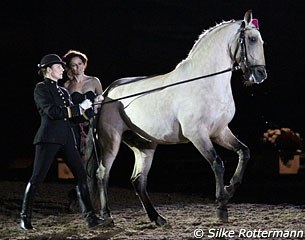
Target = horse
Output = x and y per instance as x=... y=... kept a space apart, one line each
x=143 y=112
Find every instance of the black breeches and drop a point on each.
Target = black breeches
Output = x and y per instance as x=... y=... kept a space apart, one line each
x=45 y=155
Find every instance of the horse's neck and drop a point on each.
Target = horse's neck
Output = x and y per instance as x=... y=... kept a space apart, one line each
x=211 y=54
x=213 y=51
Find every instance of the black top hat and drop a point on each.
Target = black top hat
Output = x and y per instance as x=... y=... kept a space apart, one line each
x=49 y=60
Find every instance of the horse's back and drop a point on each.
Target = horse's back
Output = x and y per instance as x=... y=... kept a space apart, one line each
x=165 y=116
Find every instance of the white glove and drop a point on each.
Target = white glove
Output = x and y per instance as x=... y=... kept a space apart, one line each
x=86 y=104
x=99 y=98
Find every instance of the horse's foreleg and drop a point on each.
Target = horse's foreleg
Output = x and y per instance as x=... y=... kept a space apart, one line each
x=205 y=147
x=221 y=196
x=229 y=141
x=244 y=156
x=143 y=161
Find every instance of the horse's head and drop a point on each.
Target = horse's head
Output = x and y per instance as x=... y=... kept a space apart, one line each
x=249 y=53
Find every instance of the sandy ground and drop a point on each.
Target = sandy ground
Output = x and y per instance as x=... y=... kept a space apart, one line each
x=186 y=215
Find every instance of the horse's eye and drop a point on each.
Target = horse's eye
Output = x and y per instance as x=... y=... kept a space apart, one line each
x=252 y=39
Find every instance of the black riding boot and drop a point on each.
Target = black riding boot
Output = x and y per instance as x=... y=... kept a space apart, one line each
x=87 y=210
x=26 y=211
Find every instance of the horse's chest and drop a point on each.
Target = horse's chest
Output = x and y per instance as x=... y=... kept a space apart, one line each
x=223 y=113
x=219 y=118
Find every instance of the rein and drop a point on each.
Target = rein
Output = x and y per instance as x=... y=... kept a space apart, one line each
x=243 y=62
x=236 y=68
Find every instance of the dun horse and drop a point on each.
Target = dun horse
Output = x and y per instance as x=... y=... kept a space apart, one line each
x=162 y=110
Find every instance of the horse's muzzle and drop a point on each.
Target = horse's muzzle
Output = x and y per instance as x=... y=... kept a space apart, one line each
x=256 y=74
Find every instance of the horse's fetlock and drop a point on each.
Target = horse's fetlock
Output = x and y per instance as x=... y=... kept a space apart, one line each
x=100 y=172
x=229 y=191
x=220 y=198
x=222 y=201
x=222 y=208
x=137 y=179
x=244 y=154
x=105 y=214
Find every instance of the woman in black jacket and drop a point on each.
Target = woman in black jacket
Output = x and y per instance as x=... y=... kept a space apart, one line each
x=55 y=134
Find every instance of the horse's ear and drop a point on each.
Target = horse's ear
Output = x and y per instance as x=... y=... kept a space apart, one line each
x=248 y=17
x=243 y=25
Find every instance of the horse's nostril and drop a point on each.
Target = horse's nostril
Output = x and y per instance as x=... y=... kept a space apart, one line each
x=261 y=72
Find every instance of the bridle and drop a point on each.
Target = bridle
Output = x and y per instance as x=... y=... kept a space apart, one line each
x=244 y=64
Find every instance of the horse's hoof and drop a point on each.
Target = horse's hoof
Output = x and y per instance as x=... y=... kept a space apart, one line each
x=108 y=221
x=222 y=214
x=160 y=221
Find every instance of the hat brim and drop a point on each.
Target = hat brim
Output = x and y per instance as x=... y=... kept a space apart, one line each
x=51 y=63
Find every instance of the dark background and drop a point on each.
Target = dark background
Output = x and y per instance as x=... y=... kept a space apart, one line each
x=135 y=38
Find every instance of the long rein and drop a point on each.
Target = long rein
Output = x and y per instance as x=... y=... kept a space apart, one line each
x=231 y=69
x=242 y=44
x=235 y=68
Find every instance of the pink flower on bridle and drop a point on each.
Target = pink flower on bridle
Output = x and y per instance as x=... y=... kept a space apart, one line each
x=255 y=22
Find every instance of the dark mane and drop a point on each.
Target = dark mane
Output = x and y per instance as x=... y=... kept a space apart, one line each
x=202 y=36
x=127 y=80
x=123 y=81
x=206 y=32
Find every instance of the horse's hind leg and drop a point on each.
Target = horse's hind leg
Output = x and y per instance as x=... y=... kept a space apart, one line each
x=227 y=140
x=110 y=146
x=143 y=160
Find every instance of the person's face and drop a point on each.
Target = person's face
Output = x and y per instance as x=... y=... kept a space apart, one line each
x=77 y=66
x=56 y=71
